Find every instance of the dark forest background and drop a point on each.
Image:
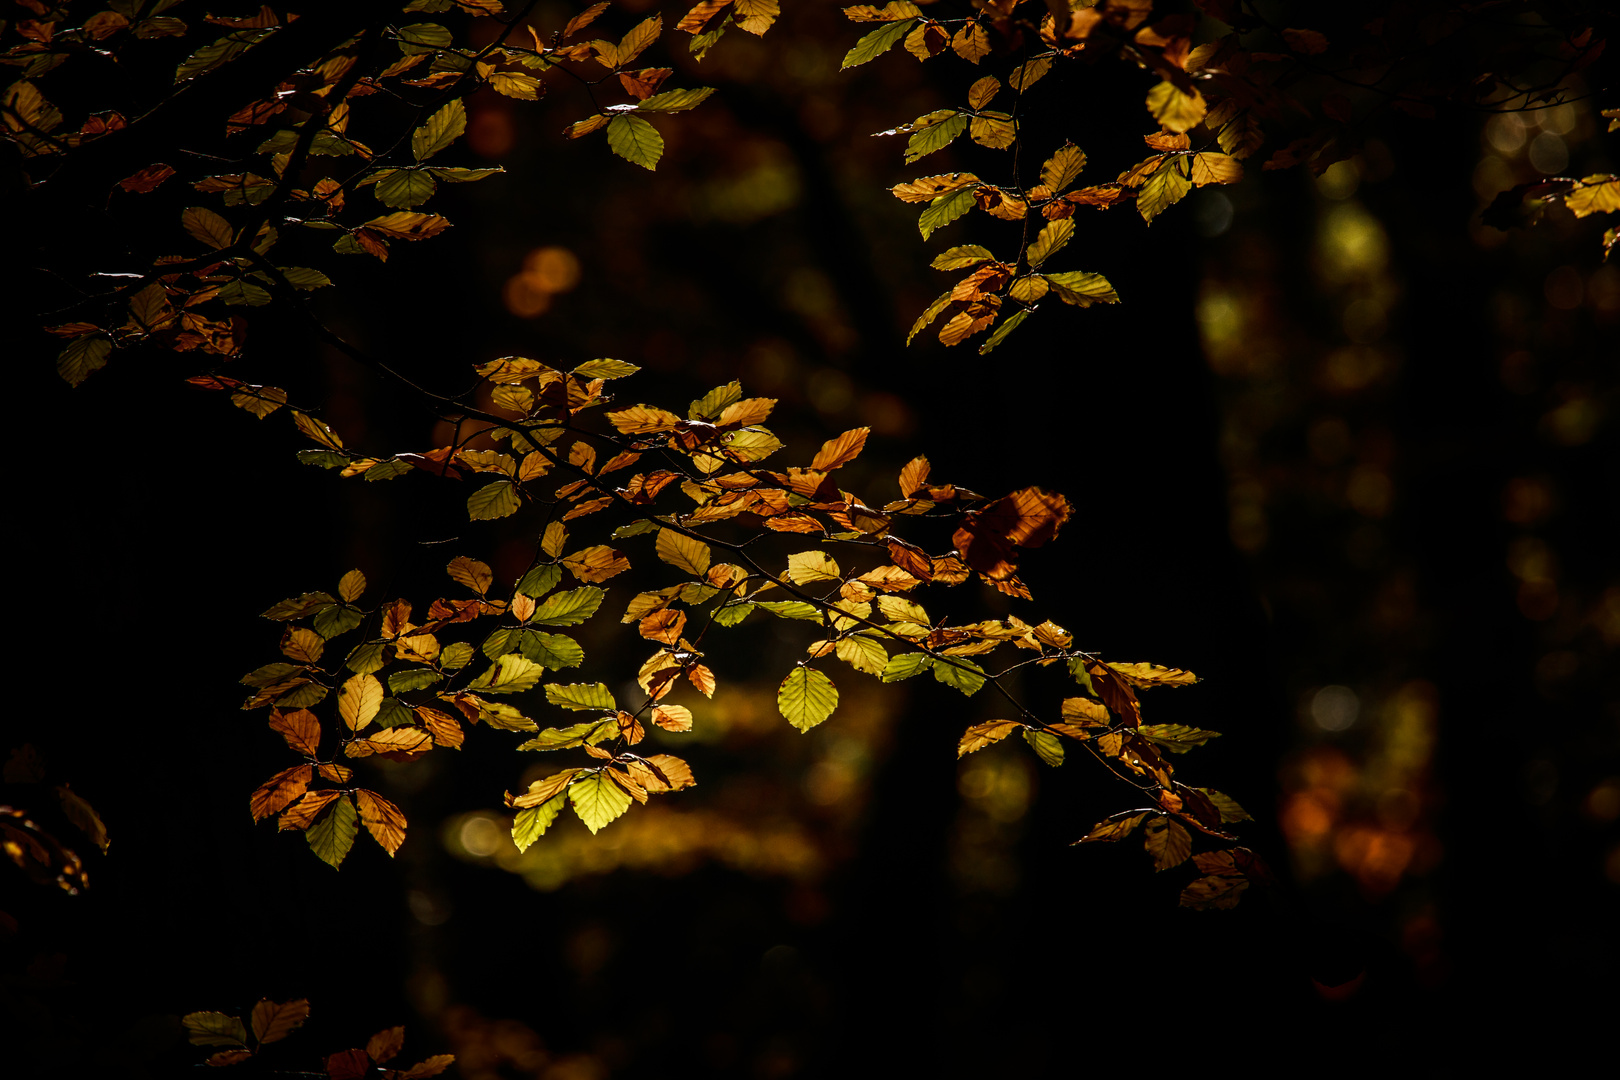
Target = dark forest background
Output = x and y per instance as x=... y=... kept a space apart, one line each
x=1344 y=451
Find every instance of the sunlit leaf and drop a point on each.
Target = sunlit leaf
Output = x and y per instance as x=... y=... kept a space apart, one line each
x=878 y=42
x=382 y=819
x=598 y=800
x=982 y=735
x=635 y=140
x=442 y=128
x=333 y=835
x=683 y=552
x=806 y=697
x=531 y=823
x=581 y=696
x=1167 y=842
x=964 y=675
x=359 y=698
x=568 y=608
x=1048 y=747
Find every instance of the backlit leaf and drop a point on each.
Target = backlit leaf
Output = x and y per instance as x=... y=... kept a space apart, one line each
x=383 y=820
x=683 y=552
x=301 y=728
x=442 y=128
x=208 y=227
x=568 y=608
x=1177 y=738
x=214 y=1029
x=352 y=585
x=806 y=697
x=1051 y=240
x=944 y=210
x=1062 y=168
x=512 y=673
x=333 y=835
x=841 y=450
x=1167 y=842
x=1117 y=827
x=676 y=100
x=1175 y=109
x=549 y=650
x=274 y=1021
x=493 y=501
x=635 y=140
x=1082 y=289
x=964 y=675
x=878 y=42
x=581 y=696
x=982 y=735
x=594 y=564
x=809 y=567
x=1048 y=747
x=1226 y=806
x=936 y=135
x=1166 y=187
x=359 y=698
x=531 y=822
x=863 y=654
x=598 y=800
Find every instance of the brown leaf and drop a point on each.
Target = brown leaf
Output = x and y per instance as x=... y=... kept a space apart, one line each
x=594 y=564
x=1117 y=827
x=300 y=728
x=1027 y=518
x=281 y=789
x=644 y=83
x=384 y=1045
x=382 y=819
x=273 y=1022
x=147 y=179
x=303 y=813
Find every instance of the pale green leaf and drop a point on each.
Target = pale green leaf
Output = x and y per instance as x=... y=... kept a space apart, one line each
x=675 y=100
x=965 y=675
x=941 y=212
x=635 y=140
x=878 y=42
x=1048 y=747
x=581 y=696
x=332 y=836
x=806 y=697
x=442 y=128
x=598 y=800
x=568 y=608
x=492 y=501
x=530 y=824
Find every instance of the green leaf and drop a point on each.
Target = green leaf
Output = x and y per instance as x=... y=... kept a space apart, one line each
x=511 y=674
x=1048 y=747
x=1082 y=289
x=876 y=43
x=325 y=459
x=635 y=528
x=598 y=800
x=394 y=713
x=806 y=697
x=581 y=696
x=494 y=646
x=605 y=369
x=530 y=824
x=269 y=674
x=962 y=257
x=1163 y=189
x=492 y=501
x=790 y=609
x=635 y=140
x=540 y=580
x=462 y=176
x=214 y=1029
x=332 y=836
x=337 y=619
x=966 y=678
x=423 y=38
x=1229 y=809
x=366 y=658
x=732 y=614
x=942 y=211
x=1050 y=241
x=568 y=608
x=405 y=188
x=566 y=738
x=936 y=135
x=442 y=128
x=303 y=278
x=226 y=48
x=455 y=656
x=207 y=227
x=403 y=682
x=554 y=651
x=1177 y=738
x=1008 y=325
x=81 y=356
x=302 y=697
x=1077 y=671
x=905 y=665
x=713 y=403
x=498 y=714
x=676 y=100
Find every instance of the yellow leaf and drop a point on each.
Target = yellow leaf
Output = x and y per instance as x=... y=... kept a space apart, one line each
x=476 y=575
x=352 y=586
x=1174 y=109
x=598 y=800
x=1210 y=168
x=982 y=735
x=683 y=552
x=359 y=698
x=808 y=567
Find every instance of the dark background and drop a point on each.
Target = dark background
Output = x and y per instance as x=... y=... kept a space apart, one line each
x=1254 y=503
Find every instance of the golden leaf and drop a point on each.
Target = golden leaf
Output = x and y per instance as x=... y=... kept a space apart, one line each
x=359 y=698
x=672 y=717
x=594 y=564
x=840 y=451
x=276 y=793
x=300 y=728
x=684 y=552
x=382 y=819
x=979 y=736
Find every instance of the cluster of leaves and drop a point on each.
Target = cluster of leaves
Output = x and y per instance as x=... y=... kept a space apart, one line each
x=698 y=490
x=33 y=843
x=300 y=163
x=1213 y=106
x=271 y=1022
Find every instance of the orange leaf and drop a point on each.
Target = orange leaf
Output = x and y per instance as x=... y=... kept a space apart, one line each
x=673 y=717
x=303 y=813
x=840 y=451
x=1027 y=518
x=665 y=626
x=281 y=789
x=443 y=726
x=384 y=821
x=300 y=728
